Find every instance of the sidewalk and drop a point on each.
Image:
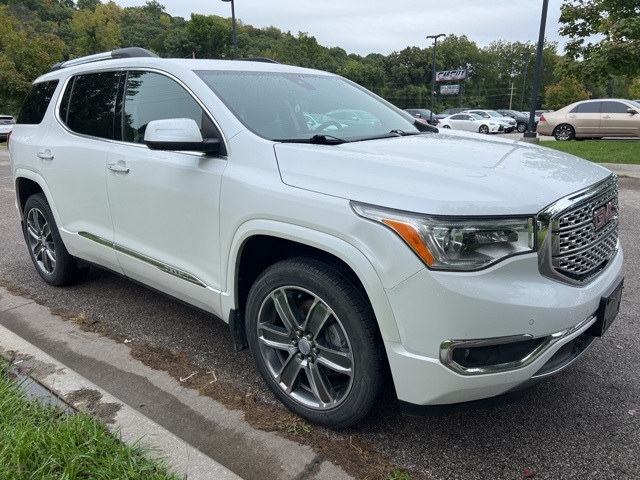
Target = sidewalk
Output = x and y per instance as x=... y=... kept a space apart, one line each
x=199 y=436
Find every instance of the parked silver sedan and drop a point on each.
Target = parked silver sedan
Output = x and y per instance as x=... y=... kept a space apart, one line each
x=470 y=122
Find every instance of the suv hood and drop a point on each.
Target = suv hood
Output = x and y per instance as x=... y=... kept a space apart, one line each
x=445 y=174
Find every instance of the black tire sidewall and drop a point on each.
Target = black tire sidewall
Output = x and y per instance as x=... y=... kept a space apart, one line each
x=63 y=272
x=357 y=320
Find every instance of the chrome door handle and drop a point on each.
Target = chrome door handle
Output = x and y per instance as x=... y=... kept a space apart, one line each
x=118 y=168
x=46 y=155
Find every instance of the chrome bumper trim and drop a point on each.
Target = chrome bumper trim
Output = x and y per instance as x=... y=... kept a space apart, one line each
x=447 y=347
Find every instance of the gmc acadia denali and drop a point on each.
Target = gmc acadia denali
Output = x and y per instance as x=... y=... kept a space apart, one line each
x=352 y=255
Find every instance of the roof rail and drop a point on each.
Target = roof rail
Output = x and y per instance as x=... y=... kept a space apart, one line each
x=129 y=52
x=257 y=59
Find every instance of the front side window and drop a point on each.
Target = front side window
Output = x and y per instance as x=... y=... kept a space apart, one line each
x=89 y=103
x=152 y=96
x=614 y=107
x=277 y=106
x=36 y=103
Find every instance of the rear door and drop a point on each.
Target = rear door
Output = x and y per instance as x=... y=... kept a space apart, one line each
x=616 y=121
x=585 y=119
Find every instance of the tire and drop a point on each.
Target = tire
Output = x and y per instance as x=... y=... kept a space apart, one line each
x=446 y=126
x=48 y=254
x=483 y=129
x=522 y=127
x=315 y=341
x=564 y=133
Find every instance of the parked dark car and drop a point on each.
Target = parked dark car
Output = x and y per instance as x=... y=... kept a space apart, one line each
x=423 y=114
x=522 y=121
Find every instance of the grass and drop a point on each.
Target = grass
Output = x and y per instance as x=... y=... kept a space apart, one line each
x=600 y=151
x=39 y=442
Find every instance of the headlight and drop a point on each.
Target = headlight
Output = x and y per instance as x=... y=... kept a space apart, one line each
x=453 y=243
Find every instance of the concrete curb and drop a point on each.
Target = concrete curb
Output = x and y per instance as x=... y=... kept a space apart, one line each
x=127 y=422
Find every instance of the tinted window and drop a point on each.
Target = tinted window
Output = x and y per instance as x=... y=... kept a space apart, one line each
x=36 y=103
x=614 y=107
x=89 y=102
x=151 y=96
x=589 y=107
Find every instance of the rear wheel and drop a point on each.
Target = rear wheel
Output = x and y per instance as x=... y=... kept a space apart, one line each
x=48 y=254
x=314 y=339
x=564 y=133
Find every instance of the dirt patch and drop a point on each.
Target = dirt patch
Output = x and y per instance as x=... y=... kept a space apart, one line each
x=359 y=459
x=89 y=400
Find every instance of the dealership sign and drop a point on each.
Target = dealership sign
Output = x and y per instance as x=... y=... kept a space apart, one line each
x=449 y=89
x=451 y=75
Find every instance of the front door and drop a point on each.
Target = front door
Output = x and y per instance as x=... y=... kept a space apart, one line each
x=165 y=205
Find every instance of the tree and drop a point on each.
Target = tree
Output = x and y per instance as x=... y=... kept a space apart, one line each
x=97 y=31
x=616 y=23
x=24 y=55
x=566 y=91
x=634 y=90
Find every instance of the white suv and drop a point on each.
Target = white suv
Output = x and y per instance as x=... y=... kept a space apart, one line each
x=340 y=253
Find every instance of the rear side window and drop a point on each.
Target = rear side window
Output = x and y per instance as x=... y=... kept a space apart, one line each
x=89 y=104
x=589 y=107
x=36 y=103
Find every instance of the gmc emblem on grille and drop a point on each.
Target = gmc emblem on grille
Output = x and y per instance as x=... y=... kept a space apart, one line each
x=602 y=215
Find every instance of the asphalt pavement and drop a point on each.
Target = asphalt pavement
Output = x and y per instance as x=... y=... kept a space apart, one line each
x=582 y=424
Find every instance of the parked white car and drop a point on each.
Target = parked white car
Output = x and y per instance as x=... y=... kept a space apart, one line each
x=509 y=124
x=463 y=267
x=469 y=122
x=6 y=124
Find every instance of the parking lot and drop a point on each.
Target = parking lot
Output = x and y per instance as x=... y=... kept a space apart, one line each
x=582 y=424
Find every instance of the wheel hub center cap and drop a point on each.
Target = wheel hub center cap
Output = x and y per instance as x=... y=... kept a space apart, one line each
x=304 y=346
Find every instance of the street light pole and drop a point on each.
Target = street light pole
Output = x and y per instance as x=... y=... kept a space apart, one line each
x=536 y=74
x=433 y=80
x=233 y=21
x=527 y=56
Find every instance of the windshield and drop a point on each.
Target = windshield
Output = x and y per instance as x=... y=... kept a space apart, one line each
x=495 y=114
x=294 y=106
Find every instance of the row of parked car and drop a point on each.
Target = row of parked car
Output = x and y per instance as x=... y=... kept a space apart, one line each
x=477 y=120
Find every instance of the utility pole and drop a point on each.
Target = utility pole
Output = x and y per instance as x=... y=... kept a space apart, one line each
x=433 y=80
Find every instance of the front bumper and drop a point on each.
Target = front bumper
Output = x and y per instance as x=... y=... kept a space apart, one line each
x=509 y=301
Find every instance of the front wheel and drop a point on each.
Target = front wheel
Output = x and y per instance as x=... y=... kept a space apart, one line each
x=315 y=341
x=49 y=255
x=522 y=127
x=484 y=129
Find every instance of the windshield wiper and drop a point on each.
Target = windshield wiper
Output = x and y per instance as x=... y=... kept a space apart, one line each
x=402 y=133
x=317 y=139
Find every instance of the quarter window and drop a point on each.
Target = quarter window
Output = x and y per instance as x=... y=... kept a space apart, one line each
x=36 y=103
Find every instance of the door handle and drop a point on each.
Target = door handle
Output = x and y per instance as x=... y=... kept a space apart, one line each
x=607 y=117
x=46 y=155
x=118 y=168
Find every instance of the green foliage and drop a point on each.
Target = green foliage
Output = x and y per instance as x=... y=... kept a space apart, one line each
x=41 y=442
x=97 y=31
x=24 y=55
x=616 y=23
x=566 y=91
x=634 y=90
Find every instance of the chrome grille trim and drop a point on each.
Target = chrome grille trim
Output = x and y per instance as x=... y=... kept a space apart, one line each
x=570 y=248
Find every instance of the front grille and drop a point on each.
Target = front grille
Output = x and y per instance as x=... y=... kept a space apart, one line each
x=580 y=234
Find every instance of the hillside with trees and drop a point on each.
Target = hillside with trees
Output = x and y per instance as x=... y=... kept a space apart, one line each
x=35 y=34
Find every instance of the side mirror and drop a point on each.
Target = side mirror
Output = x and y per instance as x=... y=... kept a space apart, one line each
x=632 y=111
x=179 y=134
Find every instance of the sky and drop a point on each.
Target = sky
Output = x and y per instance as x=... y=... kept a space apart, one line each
x=384 y=26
